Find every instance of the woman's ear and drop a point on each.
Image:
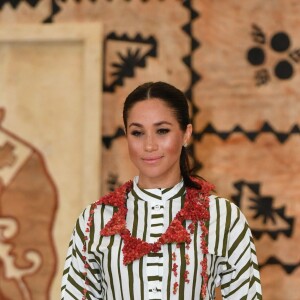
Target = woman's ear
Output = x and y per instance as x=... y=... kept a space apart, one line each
x=187 y=134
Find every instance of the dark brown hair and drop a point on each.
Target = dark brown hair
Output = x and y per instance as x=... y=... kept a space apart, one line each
x=175 y=100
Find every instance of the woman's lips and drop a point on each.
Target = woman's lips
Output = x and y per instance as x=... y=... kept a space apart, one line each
x=152 y=160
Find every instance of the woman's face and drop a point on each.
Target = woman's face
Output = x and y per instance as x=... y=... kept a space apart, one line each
x=155 y=140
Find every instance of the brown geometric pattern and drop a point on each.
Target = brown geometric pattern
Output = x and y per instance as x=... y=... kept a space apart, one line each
x=28 y=201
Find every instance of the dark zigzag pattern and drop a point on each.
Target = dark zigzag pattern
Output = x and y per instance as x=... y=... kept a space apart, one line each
x=195 y=77
x=224 y=135
x=33 y=3
x=16 y=3
x=138 y=39
x=251 y=135
x=194 y=44
x=288 y=268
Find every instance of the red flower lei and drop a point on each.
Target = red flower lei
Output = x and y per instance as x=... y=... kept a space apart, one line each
x=196 y=209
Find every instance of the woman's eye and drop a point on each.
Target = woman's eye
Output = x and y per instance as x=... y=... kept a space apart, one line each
x=136 y=133
x=163 y=131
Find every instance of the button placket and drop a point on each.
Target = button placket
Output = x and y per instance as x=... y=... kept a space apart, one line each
x=157 y=210
x=157 y=207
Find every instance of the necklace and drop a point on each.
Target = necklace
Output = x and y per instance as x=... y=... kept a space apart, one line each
x=195 y=208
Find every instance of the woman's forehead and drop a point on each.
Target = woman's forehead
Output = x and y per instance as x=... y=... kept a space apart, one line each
x=155 y=109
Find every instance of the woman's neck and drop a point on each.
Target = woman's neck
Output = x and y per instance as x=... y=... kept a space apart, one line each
x=154 y=183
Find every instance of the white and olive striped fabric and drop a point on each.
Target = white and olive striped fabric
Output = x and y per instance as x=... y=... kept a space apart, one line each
x=232 y=259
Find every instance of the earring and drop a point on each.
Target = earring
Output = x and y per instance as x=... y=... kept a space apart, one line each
x=185 y=145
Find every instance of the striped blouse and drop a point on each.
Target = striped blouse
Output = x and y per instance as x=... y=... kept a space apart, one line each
x=231 y=259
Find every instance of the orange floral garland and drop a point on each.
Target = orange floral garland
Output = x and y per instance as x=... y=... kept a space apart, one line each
x=196 y=209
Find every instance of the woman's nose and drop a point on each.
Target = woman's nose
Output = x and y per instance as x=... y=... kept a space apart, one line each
x=150 y=143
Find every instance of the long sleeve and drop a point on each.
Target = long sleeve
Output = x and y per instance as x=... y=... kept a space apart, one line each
x=74 y=280
x=240 y=278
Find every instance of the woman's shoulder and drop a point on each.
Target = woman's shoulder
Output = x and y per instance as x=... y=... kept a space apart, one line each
x=106 y=205
x=214 y=199
x=223 y=208
x=95 y=210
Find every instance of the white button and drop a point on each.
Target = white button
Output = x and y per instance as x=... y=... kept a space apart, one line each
x=157 y=207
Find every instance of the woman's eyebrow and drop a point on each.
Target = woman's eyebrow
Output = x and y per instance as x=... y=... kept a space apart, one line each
x=155 y=124
x=162 y=123
x=135 y=124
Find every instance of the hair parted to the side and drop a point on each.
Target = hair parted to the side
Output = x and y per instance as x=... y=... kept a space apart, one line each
x=177 y=102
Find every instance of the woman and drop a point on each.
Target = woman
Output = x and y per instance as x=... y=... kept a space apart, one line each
x=162 y=236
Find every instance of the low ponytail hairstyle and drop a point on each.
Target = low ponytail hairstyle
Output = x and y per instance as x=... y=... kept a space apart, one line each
x=177 y=102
